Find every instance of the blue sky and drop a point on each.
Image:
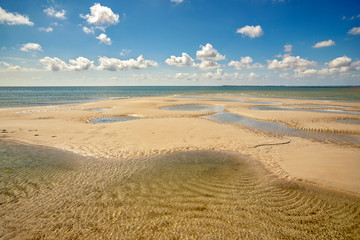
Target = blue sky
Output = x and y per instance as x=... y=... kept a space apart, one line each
x=179 y=42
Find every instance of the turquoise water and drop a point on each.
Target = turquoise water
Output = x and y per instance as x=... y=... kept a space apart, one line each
x=42 y=96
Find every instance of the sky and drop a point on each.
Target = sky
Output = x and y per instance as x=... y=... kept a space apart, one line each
x=179 y=42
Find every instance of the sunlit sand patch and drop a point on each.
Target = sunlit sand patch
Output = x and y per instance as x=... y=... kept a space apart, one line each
x=48 y=194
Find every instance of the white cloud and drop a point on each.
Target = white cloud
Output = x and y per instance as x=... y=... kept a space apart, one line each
x=53 y=13
x=101 y=16
x=28 y=47
x=105 y=63
x=177 y=1
x=4 y=66
x=251 y=31
x=104 y=39
x=49 y=29
x=253 y=75
x=327 y=43
x=88 y=30
x=340 y=62
x=14 y=18
x=208 y=57
x=124 y=52
x=290 y=62
x=183 y=61
x=80 y=64
x=114 y=64
x=354 y=31
x=288 y=48
x=221 y=75
x=245 y=62
x=53 y=64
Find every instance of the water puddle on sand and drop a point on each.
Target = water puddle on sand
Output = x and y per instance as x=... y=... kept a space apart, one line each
x=194 y=107
x=349 y=121
x=302 y=109
x=278 y=128
x=48 y=194
x=112 y=119
x=263 y=102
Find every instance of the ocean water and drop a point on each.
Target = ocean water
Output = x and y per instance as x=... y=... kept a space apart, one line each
x=43 y=96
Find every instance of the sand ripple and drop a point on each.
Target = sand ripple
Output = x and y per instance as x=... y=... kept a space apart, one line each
x=48 y=194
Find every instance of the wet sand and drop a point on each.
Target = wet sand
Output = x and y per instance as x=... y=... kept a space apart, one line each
x=159 y=131
x=50 y=194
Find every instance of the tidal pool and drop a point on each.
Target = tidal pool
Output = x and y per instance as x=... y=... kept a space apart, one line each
x=302 y=109
x=278 y=128
x=112 y=119
x=194 y=107
x=349 y=121
x=49 y=194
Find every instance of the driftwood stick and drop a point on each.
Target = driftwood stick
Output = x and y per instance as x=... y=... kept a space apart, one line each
x=272 y=144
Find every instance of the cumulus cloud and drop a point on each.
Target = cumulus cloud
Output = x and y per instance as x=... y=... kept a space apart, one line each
x=88 y=30
x=245 y=62
x=104 y=39
x=290 y=62
x=251 y=31
x=28 y=47
x=14 y=18
x=101 y=16
x=221 y=75
x=177 y=1
x=288 y=48
x=340 y=62
x=4 y=66
x=114 y=64
x=55 y=64
x=340 y=65
x=208 y=57
x=80 y=64
x=183 y=61
x=53 y=13
x=49 y=29
x=327 y=43
x=354 y=31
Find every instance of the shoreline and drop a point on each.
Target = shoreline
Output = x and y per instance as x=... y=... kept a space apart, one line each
x=155 y=134
x=306 y=184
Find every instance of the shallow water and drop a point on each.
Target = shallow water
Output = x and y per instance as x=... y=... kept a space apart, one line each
x=278 y=128
x=194 y=107
x=263 y=102
x=349 y=121
x=48 y=194
x=302 y=109
x=112 y=119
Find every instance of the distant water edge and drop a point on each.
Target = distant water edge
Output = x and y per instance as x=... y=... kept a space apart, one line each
x=44 y=96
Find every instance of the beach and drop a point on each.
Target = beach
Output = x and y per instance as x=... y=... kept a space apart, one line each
x=158 y=131
x=311 y=149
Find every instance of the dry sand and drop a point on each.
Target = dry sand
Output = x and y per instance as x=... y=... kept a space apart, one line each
x=163 y=131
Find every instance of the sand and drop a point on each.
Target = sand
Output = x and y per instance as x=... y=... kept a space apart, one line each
x=160 y=131
x=49 y=194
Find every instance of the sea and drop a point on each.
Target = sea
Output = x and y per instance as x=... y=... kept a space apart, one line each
x=44 y=96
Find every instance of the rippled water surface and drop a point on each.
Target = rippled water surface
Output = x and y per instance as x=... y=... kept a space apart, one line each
x=48 y=194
